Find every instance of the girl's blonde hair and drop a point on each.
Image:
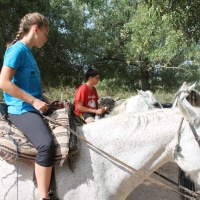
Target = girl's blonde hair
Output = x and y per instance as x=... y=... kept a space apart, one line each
x=26 y=22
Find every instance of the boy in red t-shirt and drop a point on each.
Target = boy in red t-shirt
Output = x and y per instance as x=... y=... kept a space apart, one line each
x=86 y=98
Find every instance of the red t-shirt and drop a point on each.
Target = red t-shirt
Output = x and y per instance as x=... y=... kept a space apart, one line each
x=88 y=97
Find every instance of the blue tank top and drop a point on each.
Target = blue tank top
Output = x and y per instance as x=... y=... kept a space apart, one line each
x=27 y=77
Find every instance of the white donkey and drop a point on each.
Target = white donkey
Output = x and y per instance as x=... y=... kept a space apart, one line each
x=144 y=141
x=143 y=101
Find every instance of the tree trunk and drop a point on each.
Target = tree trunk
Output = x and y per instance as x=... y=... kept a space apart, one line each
x=145 y=85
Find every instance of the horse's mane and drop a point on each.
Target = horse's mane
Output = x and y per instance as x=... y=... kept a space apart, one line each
x=141 y=94
x=119 y=108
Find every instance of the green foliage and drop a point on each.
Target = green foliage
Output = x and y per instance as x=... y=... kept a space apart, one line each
x=11 y=11
x=185 y=14
x=135 y=46
x=165 y=97
x=159 y=49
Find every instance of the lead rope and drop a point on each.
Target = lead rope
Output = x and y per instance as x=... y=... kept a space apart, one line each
x=178 y=149
x=119 y=161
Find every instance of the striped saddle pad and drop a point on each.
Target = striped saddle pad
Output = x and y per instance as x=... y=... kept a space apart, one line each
x=14 y=144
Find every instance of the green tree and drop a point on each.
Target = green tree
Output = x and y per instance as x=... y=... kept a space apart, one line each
x=185 y=14
x=137 y=48
x=158 y=50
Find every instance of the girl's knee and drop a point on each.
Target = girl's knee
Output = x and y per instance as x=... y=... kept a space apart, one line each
x=45 y=154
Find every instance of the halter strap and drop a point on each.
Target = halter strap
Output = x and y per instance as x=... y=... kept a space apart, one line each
x=197 y=138
x=148 y=104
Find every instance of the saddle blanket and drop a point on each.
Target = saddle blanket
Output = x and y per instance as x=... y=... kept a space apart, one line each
x=14 y=144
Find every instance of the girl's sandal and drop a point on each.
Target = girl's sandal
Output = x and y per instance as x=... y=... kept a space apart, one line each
x=52 y=196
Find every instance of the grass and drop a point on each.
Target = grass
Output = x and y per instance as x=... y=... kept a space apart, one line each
x=66 y=93
x=61 y=93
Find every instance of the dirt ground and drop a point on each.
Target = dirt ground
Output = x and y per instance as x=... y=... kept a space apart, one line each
x=150 y=191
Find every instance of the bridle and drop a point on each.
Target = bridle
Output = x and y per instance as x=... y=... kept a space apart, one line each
x=150 y=107
x=193 y=99
x=178 y=149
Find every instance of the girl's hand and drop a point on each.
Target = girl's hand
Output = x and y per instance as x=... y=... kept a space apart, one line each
x=41 y=106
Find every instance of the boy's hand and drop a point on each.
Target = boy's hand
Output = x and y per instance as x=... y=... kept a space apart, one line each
x=102 y=110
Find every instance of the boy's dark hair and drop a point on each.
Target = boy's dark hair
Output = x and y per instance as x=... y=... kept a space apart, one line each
x=91 y=72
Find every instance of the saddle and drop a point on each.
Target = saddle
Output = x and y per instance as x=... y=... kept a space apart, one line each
x=14 y=144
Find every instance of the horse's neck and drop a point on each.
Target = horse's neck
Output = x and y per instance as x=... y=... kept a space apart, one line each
x=135 y=139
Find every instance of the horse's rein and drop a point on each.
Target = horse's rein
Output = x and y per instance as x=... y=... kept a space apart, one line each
x=194 y=194
x=196 y=136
